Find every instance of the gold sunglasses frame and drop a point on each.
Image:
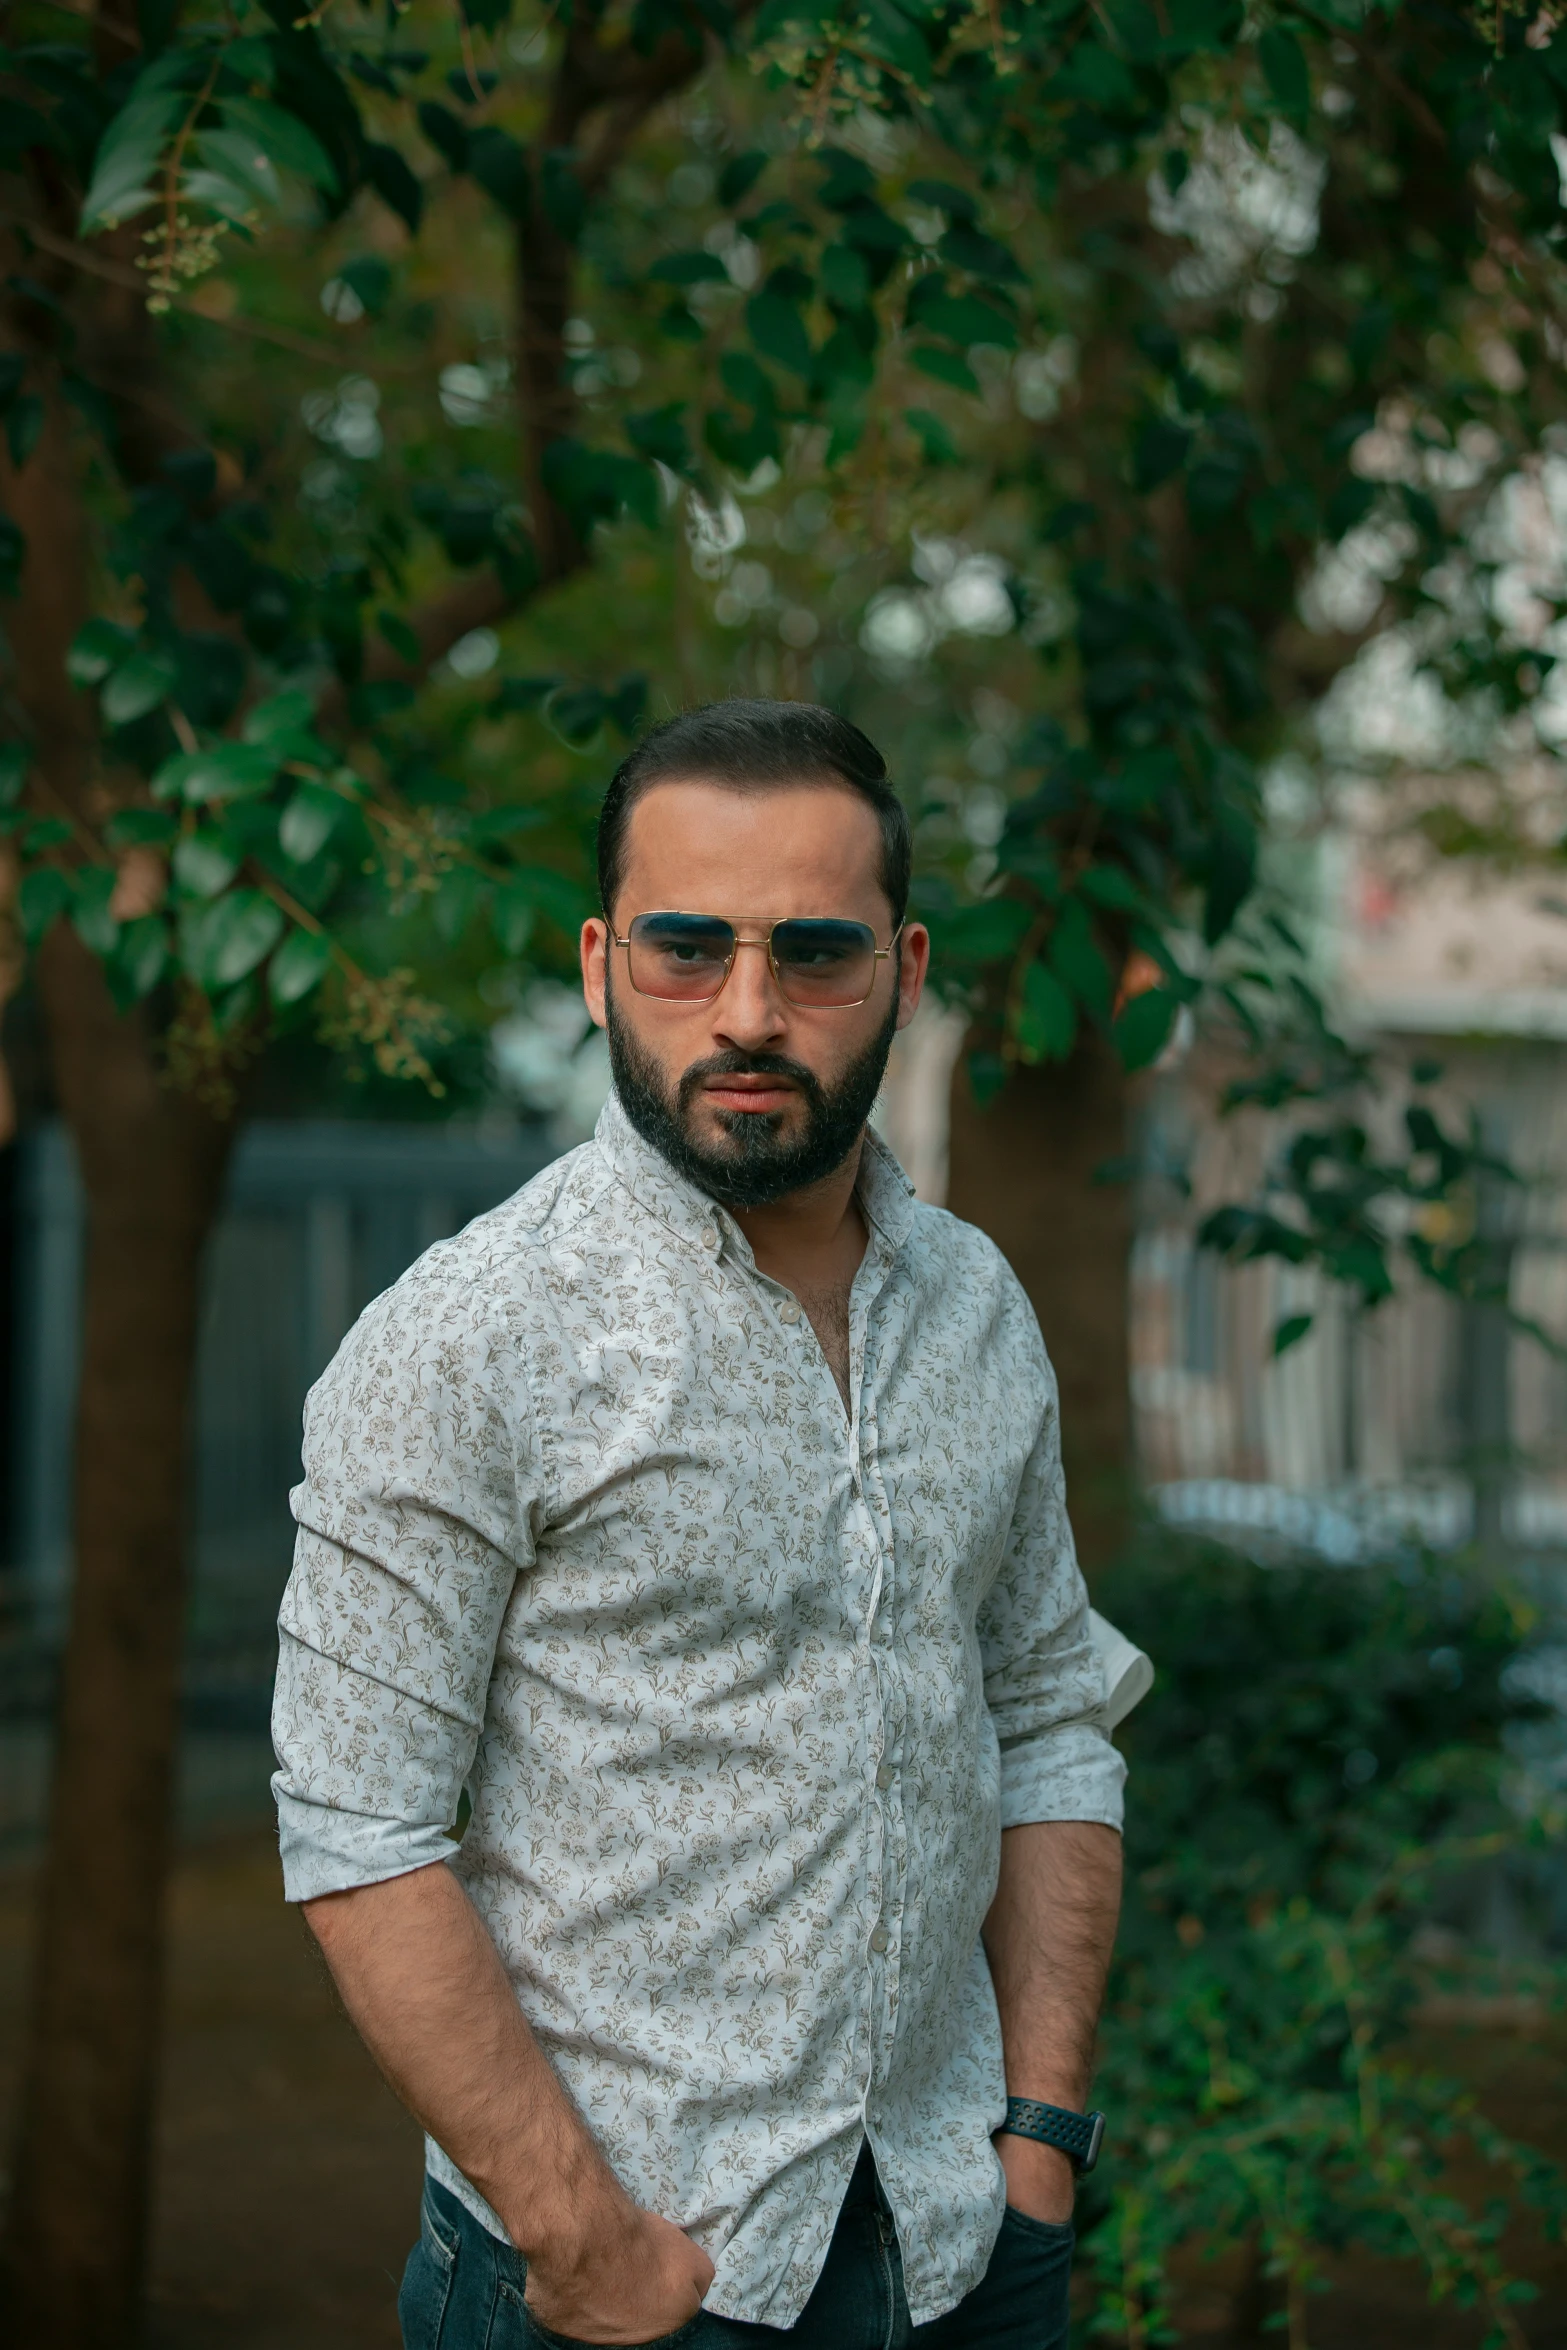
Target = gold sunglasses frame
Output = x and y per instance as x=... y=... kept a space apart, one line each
x=878 y=955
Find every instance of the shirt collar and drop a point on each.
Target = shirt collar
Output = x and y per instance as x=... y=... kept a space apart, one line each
x=885 y=1192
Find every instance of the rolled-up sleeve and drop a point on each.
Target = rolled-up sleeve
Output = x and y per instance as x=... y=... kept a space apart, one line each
x=1044 y=1683
x=416 y=1516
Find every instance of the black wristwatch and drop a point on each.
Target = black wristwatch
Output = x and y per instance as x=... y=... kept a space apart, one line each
x=1079 y=2136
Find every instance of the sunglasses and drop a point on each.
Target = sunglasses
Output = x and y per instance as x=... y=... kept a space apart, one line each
x=816 y=960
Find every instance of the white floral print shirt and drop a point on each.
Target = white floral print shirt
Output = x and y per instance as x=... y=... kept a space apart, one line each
x=743 y=1687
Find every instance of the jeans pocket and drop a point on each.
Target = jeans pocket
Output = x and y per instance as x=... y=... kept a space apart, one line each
x=1047 y=2231
x=548 y=2339
x=427 y=2281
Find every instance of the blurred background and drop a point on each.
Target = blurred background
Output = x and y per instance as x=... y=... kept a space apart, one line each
x=1148 y=424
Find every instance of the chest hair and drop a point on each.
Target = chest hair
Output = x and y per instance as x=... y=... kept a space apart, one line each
x=828 y=1311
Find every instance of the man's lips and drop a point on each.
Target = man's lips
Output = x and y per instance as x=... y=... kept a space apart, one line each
x=751 y=1091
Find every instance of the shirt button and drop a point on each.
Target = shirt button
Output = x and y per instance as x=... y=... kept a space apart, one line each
x=884 y=1777
x=789 y=1311
x=880 y=1939
x=709 y=1237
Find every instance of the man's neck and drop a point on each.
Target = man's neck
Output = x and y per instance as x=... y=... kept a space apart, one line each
x=809 y=1229
x=812 y=1241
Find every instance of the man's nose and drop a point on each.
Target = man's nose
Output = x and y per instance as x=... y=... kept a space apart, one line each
x=750 y=1012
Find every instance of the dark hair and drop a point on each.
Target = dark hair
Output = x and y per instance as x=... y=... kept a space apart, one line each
x=754 y=746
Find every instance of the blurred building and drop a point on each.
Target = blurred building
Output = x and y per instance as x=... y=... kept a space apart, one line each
x=1428 y=1414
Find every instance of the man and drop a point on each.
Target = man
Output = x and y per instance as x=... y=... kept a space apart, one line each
x=700 y=1511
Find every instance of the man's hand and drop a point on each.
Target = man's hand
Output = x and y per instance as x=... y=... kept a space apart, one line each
x=1040 y=2179
x=421 y=1979
x=625 y=2282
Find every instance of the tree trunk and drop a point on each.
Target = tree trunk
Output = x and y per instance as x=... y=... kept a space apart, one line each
x=1023 y=1170
x=152 y=1166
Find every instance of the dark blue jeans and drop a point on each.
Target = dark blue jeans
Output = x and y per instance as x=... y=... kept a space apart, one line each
x=462 y=2290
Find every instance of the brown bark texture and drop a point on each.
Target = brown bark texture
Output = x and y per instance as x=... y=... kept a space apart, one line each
x=152 y=1164
x=1023 y=1169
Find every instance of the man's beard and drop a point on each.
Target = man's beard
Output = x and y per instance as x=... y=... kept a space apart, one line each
x=755 y=1164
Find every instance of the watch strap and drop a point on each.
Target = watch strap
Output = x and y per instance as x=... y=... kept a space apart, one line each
x=1077 y=2135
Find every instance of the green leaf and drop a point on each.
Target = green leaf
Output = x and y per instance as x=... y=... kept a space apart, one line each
x=887 y=34
x=95 y=925
x=301 y=963
x=946 y=366
x=845 y=280
x=1284 y=68
x=446 y=132
x=982 y=933
x=1161 y=450
x=595 y=485
x=42 y=833
x=204 y=863
x=1046 y=1017
x=970 y=249
x=15 y=759
x=1232 y=866
x=956 y=203
x=308 y=822
x=139 y=828
x=1143 y=1028
x=987 y=1074
x=43 y=896
x=397 y=633
x=778 y=331
x=394 y=183
x=97 y=647
x=933 y=436
x=1108 y=886
x=1077 y=960
x=231 y=937
x=235 y=160
x=1290 y=1332
x=23 y=426
x=660 y=433
x=564 y=902
x=228 y=771
x=140 y=957
x=688 y=269
x=127 y=160
x=747 y=380
x=138 y=686
x=512 y=915
x=965 y=318
x=499 y=163
x=576 y=715
x=280 y=716
x=740 y=175
x=284 y=138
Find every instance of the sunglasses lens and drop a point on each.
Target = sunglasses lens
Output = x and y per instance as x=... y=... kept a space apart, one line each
x=825 y=962
x=680 y=956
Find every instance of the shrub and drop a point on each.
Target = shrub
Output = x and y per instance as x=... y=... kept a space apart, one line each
x=1330 y=1759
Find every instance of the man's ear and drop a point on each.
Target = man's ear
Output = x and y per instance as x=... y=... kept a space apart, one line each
x=913 y=964
x=594 y=949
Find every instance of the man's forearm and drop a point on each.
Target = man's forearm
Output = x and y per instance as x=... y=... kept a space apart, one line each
x=424 y=1984
x=426 y=1990
x=1048 y=1937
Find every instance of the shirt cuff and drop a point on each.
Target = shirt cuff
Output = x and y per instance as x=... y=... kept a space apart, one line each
x=329 y=1851
x=1071 y=1773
